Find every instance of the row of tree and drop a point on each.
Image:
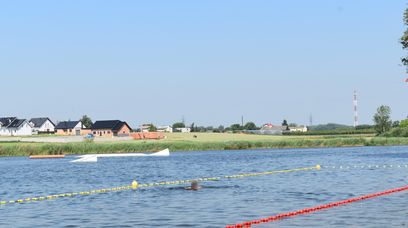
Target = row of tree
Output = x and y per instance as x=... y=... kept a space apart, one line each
x=382 y=121
x=220 y=129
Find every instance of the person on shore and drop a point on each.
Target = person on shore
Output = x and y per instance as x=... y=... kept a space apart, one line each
x=194 y=186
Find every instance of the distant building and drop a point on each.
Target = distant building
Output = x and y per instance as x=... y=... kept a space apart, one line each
x=11 y=126
x=42 y=125
x=166 y=128
x=270 y=129
x=298 y=129
x=4 y=122
x=145 y=127
x=182 y=129
x=71 y=128
x=110 y=128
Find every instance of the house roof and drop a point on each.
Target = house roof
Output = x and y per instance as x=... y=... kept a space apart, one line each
x=66 y=125
x=5 y=121
x=114 y=125
x=16 y=123
x=273 y=127
x=38 y=122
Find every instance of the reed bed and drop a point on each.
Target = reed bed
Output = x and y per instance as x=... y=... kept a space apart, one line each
x=26 y=149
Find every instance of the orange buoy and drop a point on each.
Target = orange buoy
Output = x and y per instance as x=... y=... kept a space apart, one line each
x=47 y=156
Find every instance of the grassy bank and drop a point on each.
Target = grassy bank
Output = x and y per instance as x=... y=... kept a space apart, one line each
x=180 y=142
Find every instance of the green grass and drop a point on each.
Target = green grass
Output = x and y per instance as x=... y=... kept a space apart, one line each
x=203 y=141
x=335 y=132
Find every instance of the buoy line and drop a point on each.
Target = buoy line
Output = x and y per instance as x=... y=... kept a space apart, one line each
x=366 y=166
x=314 y=209
x=135 y=185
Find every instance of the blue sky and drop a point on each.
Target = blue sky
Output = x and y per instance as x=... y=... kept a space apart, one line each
x=210 y=61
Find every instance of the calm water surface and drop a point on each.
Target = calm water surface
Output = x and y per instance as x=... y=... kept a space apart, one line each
x=218 y=203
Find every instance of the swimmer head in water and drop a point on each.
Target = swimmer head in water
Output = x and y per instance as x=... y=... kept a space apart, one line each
x=194 y=186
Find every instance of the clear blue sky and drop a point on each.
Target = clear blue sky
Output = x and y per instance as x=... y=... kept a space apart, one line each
x=209 y=61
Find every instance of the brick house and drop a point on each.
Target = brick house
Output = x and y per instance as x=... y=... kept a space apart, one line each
x=110 y=128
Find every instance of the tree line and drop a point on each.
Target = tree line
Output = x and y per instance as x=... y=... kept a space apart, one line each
x=384 y=125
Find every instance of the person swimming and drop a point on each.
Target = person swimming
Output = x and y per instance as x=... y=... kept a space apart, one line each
x=194 y=186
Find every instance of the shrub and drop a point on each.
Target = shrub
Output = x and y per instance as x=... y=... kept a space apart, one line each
x=404 y=123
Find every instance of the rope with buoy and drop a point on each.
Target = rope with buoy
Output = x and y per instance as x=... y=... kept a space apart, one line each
x=135 y=185
x=314 y=209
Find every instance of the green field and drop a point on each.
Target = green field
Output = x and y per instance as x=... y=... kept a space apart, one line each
x=202 y=141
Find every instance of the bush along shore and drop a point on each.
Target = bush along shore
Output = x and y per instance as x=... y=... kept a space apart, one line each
x=26 y=149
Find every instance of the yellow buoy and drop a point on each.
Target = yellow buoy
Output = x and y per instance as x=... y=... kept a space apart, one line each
x=134 y=184
x=318 y=167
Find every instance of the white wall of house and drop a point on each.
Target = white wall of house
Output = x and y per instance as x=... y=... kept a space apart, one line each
x=164 y=129
x=4 y=132
x=24 y=129
x=298 y=129
x=47 y=126
x=79 y=126
x=183 y=129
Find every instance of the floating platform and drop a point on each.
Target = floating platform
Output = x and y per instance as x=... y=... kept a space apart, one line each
x=47 y=156
x=94 y=157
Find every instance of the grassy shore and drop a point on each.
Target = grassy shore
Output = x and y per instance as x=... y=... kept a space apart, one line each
x=203 y=141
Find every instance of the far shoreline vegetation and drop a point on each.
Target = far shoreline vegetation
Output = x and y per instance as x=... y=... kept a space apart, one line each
x=201 y=142
x=384 y=132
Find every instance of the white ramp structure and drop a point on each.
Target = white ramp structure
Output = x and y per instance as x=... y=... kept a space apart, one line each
x=94 y=157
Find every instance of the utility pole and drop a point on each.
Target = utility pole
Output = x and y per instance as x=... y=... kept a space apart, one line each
x=242 y=121
x=355 y=109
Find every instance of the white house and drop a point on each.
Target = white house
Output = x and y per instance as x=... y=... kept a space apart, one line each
x=298 y=129
x=145 y=127
x=270 y=129
x=42 y=125
x=11 y=126
x=183 y=129
x=4 y=122
x=165 y=129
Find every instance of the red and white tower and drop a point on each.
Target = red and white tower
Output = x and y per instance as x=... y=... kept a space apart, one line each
x=355 y=109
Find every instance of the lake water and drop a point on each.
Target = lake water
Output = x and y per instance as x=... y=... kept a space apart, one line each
x=218 y=203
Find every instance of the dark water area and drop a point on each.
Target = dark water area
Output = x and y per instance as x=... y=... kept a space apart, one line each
x=218 y=203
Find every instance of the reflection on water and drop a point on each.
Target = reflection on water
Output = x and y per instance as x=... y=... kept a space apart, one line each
x=218 y=203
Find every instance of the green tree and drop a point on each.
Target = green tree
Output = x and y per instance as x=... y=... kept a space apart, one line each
x=404 y=39
x=285 y=124
x=192 y=127
x=395 y=124
x=363 y=126
x=152 y=128
x=209 y=129
x=236 y=127
x=382 y=119
x=221 y=128
x=200 y=129
x=86 y=121
x=404 y=123
x=179 y=125
x=250 y=126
